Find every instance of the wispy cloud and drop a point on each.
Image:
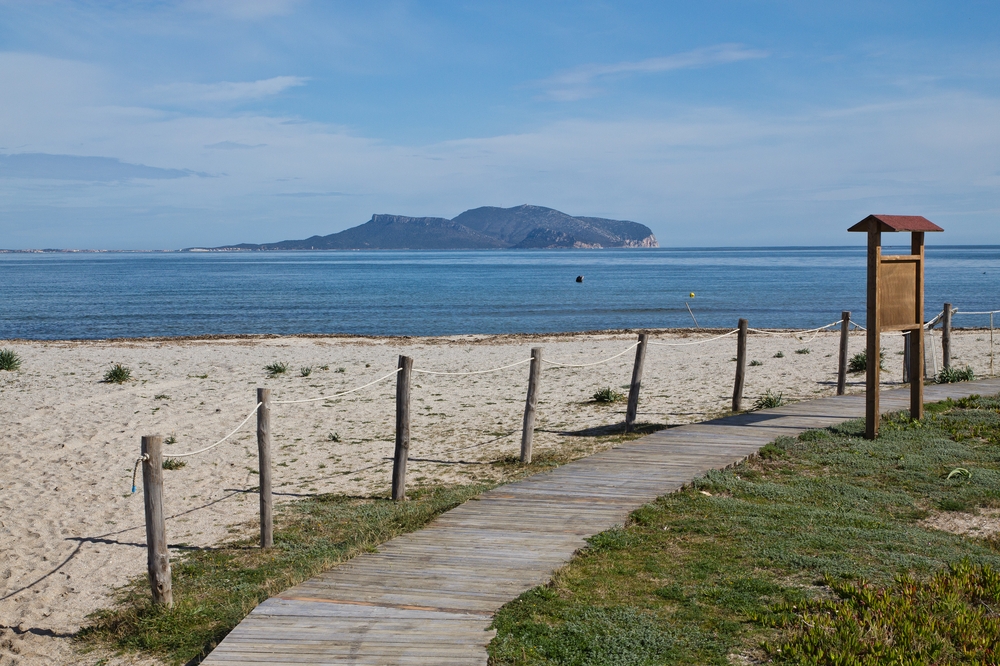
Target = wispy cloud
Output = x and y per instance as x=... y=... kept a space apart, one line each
x=247 y=10
x=581 y=82
x=233 y=145
x=83 y=168
x=226 y=91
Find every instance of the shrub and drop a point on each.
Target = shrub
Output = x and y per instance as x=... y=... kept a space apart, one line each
x=608 y=395
x=276 y=368
x=804 y=350
x=345 y=369
x=780 y=355
x=9 y=360
x=118 y=374
x=859 y=362
x=333 y=437
x=306 y=371
x=173 y=463
x=952 y=375
x=754 y=363
x=768 y=400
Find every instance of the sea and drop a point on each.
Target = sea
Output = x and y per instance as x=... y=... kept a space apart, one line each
x=62 y=295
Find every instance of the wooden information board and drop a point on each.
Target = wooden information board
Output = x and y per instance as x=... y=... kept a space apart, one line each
x=895 y=303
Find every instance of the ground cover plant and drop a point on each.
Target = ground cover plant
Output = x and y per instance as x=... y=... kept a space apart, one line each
x=9 y=360
x=117 y=374
x=952 y=375
x=608 y=395
x=859 y=362
x=817 y=551
x=768 y=400
x=276 y=368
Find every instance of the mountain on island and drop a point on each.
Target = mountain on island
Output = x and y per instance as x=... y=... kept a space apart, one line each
x=521 y=227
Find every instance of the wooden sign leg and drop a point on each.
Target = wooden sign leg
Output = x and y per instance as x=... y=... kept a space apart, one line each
x=916 y=376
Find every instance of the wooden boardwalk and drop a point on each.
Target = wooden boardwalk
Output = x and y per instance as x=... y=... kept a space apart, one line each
x=428 y=597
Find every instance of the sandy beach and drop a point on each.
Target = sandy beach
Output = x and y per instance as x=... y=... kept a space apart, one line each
x=71 y=530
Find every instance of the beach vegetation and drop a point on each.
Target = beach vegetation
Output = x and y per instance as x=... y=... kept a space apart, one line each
x=608 y=395
x=117 y=374
x=779 y=355
x=324 y=367
x=819 y=550
x=342 y=370
x=333 y=437
x=173 y=463
x=305 y=371
x=161 y=396
x=768 y=400
x=859 y=362
x=755 y=363
x=9 y=360
x=952 y=375
x=804 y=350
x=276 y=368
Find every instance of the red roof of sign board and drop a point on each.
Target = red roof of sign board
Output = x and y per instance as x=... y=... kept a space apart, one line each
x=897 y=223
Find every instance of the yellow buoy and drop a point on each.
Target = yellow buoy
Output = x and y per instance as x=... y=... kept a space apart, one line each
x=691 y=294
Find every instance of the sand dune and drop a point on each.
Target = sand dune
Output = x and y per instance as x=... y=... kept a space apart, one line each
x=71 y=530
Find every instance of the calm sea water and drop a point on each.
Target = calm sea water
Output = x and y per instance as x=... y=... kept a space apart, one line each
x=60 y=296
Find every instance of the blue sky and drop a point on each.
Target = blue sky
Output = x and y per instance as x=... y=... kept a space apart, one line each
x=175 y=124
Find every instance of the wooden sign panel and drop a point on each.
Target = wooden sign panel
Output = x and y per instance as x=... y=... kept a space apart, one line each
x=897 y=293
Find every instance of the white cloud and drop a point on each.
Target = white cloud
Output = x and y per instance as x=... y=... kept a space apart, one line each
x=580 y=82
x=246 y=10
x=225 y=91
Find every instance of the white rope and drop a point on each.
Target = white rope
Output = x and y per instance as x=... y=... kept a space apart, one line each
x=587 y=365
x=976 y=313
x=795 y=334
x=337 y=395
x=696 y=342
x=857 y=326
x=472 y=372
x=191 y=453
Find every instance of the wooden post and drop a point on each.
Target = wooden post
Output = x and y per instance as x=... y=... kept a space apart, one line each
x=874 y=331
x=917 y=336
x=402 y=429
x=741 y=365
x=531 y=404
x=158 y=557
x=633 y=390
x=845 y=327
x=907 y=341
x=264 y=467
x=946 y=337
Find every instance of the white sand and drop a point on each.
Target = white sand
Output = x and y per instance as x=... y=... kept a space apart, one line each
x=70 y=530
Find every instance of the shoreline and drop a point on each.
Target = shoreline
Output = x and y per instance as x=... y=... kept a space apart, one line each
x=474 y=338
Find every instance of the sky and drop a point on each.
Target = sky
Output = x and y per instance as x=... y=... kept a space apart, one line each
x=162 y=125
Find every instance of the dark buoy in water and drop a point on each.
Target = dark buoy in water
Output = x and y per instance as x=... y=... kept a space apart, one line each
x=579 y=278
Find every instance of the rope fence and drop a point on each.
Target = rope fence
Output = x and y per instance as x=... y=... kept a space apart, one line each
x=151 y=459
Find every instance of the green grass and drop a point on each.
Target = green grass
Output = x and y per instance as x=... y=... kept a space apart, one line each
x=755 y=363
x=608 y=395
x=173 y=463
x=305 y=371
x=952 y=375
x=9 y=360
x=276 y=368
x=117 y=374
x=814 y=548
